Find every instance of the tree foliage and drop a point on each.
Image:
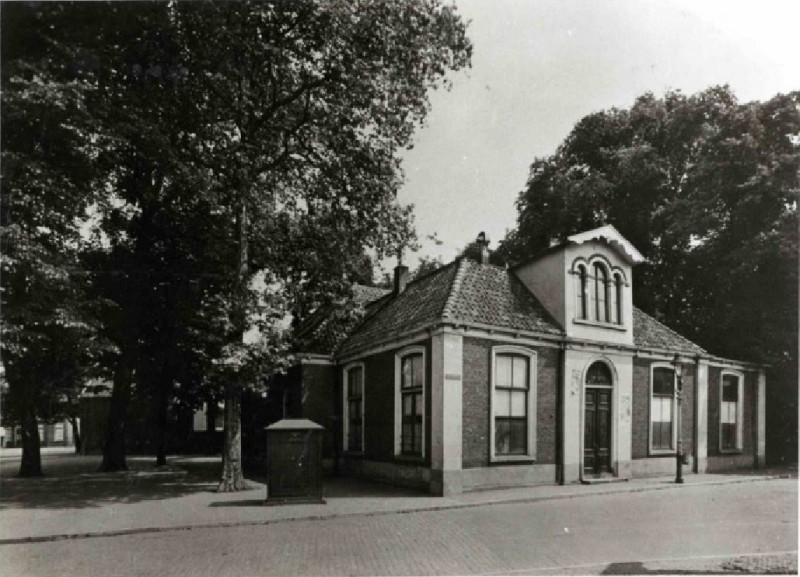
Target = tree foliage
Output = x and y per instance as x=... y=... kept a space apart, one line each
x=228 y=142
x=706 y=187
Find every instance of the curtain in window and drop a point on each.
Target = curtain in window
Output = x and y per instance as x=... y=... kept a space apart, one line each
x=661 y=408
x=729 y=411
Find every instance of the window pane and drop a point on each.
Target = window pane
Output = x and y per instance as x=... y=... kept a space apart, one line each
x=502 y=406
x=502 y=371
x=408 y=404
x=502 y=437
x=663 y=381
x=518 y=441
x=518 y=403
x=728 y=436
x=730 y=388
x=418 y=403
x=407 y=369
x=728 y=413
x=58 y=432
x=661 y=409
x=520 y=373
x=419 y=372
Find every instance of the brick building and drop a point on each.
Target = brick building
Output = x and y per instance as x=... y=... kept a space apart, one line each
x=479 y=376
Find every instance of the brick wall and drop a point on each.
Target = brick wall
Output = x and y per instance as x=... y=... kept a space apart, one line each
x=379 y=398
x=640 y=422
x=640 y=419
x=476 y=385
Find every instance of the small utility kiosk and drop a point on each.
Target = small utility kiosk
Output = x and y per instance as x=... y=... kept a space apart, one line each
x=294 y=462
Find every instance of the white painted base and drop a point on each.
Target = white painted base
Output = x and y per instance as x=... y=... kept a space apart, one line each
x=510 y=476
x=656 y=467
x=726 y=462
x=401 y=474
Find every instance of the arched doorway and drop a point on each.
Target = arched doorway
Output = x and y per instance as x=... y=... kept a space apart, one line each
x=597 y=420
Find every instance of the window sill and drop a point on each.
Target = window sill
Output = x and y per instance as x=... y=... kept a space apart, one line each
x=599 y=324
x=530 y=459
x=662 y=453
x=731 y=451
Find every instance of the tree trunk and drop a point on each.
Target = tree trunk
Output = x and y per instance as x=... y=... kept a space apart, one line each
x=114 y=448
x=76 y=435
x=161 y=441
x=31 y=464
x=232 y=474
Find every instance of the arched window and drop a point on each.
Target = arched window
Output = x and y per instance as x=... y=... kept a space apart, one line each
x=618 y=285
x=583 y=293
x=599 y=375
x=410 y=402
x=600 y=293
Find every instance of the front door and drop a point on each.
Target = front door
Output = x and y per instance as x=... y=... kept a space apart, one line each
x=597 y=432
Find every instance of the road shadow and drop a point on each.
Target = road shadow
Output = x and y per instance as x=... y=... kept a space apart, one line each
x=638 y=568
x=73 y=482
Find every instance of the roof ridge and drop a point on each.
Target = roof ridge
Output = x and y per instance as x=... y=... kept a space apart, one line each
x=677 y=334
x=455 y=287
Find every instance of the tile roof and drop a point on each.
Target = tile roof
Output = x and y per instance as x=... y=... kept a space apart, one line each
x=462 y=291
x=325 y=328
x=649 y=333
x=468 y=292
x=490 y=295
x=422 y=302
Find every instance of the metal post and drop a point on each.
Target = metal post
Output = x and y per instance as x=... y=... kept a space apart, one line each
x=679 y=390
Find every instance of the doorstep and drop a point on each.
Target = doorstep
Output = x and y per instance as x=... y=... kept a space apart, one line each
x=603 y=480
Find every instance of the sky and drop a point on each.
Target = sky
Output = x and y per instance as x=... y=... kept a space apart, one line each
x=539 y=66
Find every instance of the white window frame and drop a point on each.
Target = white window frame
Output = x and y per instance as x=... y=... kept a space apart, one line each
x=532 y=388
x=398 y=398
x=739 y=411
x=614 y=292
x=674 y=409
x=346 y=406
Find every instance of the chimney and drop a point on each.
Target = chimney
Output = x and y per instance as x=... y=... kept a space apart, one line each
x=483 y=247
x=400 y=279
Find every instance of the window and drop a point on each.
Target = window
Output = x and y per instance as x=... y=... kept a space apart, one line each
x=412 y=379
x=730 y=420
x=615 y=292
x=583 y=293
x=600 y=293
x=662 y=409
x=354 y=408
x=58 y=432
x=409 y=402
x=513 y=434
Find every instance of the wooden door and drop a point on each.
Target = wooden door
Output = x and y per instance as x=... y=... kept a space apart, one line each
x=597 y=432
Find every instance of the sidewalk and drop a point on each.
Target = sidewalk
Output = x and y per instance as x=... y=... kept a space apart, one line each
x=74 y=501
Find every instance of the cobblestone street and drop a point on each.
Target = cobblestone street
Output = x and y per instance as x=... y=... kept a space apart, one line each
x=738 y=528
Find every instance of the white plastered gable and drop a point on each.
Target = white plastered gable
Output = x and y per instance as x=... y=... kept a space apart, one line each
x=612 y=236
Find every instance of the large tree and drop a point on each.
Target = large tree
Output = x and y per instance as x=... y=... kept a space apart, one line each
x=305 y=106
x=48 y=153
x=268 y=133
x=707 y=188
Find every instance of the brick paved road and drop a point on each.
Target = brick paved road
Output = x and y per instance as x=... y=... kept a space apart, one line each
x=723 y=521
